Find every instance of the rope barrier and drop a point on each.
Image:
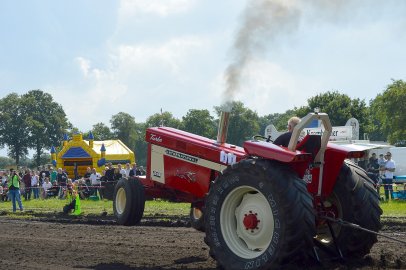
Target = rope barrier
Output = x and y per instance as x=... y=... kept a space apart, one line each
x=358 y=227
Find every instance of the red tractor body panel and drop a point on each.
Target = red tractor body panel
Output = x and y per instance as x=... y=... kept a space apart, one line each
x=181 y=165
x=272 y=151
x=186 y=162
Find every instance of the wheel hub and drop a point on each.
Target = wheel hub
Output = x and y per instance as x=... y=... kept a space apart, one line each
x=251 y=221
x=253 y=228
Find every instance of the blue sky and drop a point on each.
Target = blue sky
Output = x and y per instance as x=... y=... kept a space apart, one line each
x=97 y=58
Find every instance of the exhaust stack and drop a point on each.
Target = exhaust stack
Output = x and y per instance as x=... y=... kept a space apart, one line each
x=223 y=127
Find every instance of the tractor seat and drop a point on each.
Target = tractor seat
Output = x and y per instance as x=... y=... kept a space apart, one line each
x=310 y=144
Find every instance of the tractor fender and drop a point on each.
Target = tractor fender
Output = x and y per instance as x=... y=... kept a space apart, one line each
x=271 y=151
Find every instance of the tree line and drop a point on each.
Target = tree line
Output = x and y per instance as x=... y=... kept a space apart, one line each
x=35 y=121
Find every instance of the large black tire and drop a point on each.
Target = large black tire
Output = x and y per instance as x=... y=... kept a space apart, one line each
x=129 y=201
x=196 y=218
x=354 y=199
x=259 y=215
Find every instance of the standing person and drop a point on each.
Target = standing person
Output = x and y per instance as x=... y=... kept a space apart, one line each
x=141 y=171
x=127 y=170
x=109 y=172
x=390 y=167
x=134 y=170
x=46 y=186
x=27 y=182
x=117 y=174
x=284 y=139
x=35 y=184
x=2 y=193
x=373 y=170
x=43 y=171
x=94 y=181
x=52 y=175
x=381 y=163
x=6 y=177
x=42 y=177
x=3 y=181
x=121 y=170
x=14 y=190
x=62 y=178
x=87 y=175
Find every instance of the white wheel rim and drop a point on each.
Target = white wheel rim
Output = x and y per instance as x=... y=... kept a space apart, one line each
x=242 y=204
x=121 y=199
x=197 y=213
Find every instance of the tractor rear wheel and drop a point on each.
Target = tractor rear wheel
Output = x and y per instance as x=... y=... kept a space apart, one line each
x=259 y=215
x=129 y=201
x=196 y=218
x=354 y=199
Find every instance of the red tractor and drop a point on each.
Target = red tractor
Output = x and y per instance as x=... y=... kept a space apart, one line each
x=260 y=205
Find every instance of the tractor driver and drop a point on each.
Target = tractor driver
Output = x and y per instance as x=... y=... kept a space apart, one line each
x=283 y=140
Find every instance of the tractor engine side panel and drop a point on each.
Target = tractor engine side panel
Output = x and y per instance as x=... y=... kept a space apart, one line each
x=192 y=144
x=185 y=162
x=180 y=171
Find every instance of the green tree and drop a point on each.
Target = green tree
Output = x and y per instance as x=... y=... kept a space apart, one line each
x=6 y=162
x=140 y=148
x=46 y=121
x=388 y=112
x=339 y=107
x=199 y=122
x=279 y=120
x=45 y=158
x=123 y=127
x=14 y=127
x=155 y=120
x=101 y=132
x=163 y=119
x=243 y=123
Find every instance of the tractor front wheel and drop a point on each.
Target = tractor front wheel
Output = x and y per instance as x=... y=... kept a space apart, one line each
x=129 y=201
x=258 y=215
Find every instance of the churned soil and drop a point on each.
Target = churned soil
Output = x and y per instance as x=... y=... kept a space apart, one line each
x=60 y=242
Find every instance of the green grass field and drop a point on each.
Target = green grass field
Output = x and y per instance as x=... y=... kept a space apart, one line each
x=395 y=208
x=90 y=207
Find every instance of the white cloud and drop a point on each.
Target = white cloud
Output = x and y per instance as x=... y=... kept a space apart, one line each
x=162 y=8
x=84 y=65
x=171 y=56
x=136 y=74
x=268 y=88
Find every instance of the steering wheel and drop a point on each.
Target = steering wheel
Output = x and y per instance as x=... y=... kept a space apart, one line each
x=263 y=138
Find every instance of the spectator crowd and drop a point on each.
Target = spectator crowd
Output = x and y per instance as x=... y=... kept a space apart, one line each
x=47 y=182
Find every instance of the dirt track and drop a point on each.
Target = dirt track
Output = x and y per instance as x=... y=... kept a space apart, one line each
x=80 y=244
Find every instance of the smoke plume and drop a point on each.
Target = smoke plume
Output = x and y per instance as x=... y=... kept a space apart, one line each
x=262 y=23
